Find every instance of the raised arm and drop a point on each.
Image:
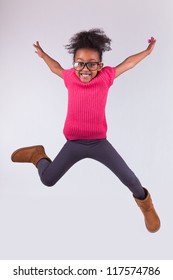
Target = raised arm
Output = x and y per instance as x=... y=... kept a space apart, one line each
x=54 y=66
x=131 y=61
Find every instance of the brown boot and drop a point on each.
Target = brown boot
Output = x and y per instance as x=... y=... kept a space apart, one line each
x=152 y=220
x=29 y=154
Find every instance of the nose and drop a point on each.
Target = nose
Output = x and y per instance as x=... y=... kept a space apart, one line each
x=85 y=67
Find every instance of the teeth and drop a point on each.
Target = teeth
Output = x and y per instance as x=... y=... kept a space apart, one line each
x=85 y=75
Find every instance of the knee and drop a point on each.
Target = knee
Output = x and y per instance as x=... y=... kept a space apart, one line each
x=47 y=182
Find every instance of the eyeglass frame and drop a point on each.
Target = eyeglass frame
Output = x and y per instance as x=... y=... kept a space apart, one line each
x=86 y=64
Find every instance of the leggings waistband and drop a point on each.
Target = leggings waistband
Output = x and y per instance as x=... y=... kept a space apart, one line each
x=87 y=141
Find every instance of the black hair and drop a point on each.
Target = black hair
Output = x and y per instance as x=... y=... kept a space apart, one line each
x=93 y=39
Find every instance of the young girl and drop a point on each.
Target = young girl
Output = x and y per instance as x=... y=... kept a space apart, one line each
x=85 y=127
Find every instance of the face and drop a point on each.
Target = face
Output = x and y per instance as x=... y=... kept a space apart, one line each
x=89 y=56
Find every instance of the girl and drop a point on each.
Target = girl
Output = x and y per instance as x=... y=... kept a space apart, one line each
x=85 y=126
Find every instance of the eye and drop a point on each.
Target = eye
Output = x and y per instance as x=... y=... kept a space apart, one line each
x=92 y=64
x=79 y=63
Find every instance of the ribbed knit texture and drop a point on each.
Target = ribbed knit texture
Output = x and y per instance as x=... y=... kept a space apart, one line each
x=86 y=105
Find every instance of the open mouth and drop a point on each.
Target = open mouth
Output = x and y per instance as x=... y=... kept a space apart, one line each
x=85 y=75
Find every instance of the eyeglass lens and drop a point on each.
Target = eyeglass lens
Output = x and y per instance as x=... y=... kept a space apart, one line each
x=90 y=65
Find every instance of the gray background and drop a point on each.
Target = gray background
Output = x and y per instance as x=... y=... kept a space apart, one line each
x=88 y=214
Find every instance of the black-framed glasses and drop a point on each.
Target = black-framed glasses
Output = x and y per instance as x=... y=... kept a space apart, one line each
x=92 y=66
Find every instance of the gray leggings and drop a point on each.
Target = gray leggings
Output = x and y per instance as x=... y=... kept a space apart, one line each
x=100 y=150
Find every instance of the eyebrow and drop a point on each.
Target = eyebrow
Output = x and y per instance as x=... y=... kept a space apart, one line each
x=92 y=59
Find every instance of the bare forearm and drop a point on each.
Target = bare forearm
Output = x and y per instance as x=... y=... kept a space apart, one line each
x=132 y=60
x=54 y=66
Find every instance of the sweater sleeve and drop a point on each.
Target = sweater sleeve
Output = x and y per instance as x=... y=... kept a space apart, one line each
x=109 y=74
x=66 y=74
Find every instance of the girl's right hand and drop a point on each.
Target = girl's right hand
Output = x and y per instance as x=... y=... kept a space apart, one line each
x=39 y=50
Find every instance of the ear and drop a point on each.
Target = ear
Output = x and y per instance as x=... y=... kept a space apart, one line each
x=100 y=67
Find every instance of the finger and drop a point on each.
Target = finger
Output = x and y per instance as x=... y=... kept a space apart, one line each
x=153 y=39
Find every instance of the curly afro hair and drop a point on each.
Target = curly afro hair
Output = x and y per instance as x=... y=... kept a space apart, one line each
x=93 y=39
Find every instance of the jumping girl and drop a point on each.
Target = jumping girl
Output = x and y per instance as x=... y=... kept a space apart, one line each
x=85 y=126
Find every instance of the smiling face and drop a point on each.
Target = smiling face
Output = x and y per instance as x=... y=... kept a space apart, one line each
x=89 y=56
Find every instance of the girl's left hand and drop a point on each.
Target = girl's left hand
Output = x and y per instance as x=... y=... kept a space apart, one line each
x=151 y=42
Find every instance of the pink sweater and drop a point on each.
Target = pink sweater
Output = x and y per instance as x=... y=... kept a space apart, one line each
x=86 y=105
